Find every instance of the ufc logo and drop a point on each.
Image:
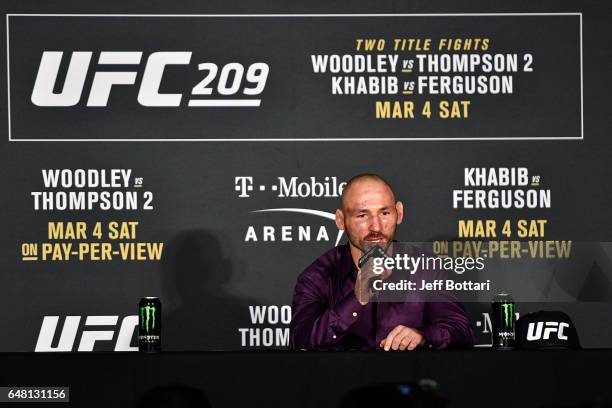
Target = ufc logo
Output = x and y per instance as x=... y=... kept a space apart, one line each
x=71 y=328
x=543 y=331
x=70 y=95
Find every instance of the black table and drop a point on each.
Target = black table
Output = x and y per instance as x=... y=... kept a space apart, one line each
x=317 y=379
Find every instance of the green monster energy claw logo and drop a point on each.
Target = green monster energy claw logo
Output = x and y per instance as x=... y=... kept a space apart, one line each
x=147 y=314
x=508 y=313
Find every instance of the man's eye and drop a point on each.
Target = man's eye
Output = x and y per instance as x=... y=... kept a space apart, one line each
x=386 y=212
x=361 y=216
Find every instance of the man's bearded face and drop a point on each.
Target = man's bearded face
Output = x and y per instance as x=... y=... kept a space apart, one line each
x=370 y=214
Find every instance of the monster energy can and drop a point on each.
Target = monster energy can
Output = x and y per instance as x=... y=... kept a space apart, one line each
x=149 y=325
x=503 y=320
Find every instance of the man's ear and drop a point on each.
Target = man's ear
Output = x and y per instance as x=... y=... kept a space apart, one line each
x=399 y=207
x=339 y=219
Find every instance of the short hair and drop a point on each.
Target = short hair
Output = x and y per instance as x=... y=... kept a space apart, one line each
x=364 y=177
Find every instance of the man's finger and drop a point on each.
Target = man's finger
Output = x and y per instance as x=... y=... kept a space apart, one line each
x=413 y=344
x=404 y=343
x=398 y=339
x=389 y=341
x=391 y=336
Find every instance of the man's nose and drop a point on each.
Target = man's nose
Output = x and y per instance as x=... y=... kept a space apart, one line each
x=375 y=224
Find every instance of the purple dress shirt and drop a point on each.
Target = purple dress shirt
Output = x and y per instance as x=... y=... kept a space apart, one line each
x=328 y=316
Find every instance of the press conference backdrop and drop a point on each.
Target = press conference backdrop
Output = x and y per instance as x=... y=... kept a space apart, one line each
x=198 y=152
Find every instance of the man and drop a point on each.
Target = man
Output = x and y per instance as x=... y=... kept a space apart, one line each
x=327 y=311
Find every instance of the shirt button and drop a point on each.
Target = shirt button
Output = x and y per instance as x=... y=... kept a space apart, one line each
x=334 y=336
x=354 y=314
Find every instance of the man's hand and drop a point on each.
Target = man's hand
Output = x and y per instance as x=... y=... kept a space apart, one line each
x=365 y=276
x=403 y=338
x=362 y=293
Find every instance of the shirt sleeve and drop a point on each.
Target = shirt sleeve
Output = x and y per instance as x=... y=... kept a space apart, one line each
x=447 y=325
x=315 y=324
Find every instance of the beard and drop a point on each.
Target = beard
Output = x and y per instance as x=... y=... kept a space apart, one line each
x=369 y=241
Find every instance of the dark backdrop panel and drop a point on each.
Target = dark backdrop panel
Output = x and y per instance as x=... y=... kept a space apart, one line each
x=210 y=273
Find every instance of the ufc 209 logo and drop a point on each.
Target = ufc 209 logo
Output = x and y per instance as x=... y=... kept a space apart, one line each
x=543 y=331
x=218 y=83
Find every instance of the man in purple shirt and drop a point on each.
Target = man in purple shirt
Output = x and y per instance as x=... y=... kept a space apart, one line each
x=328 y=312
